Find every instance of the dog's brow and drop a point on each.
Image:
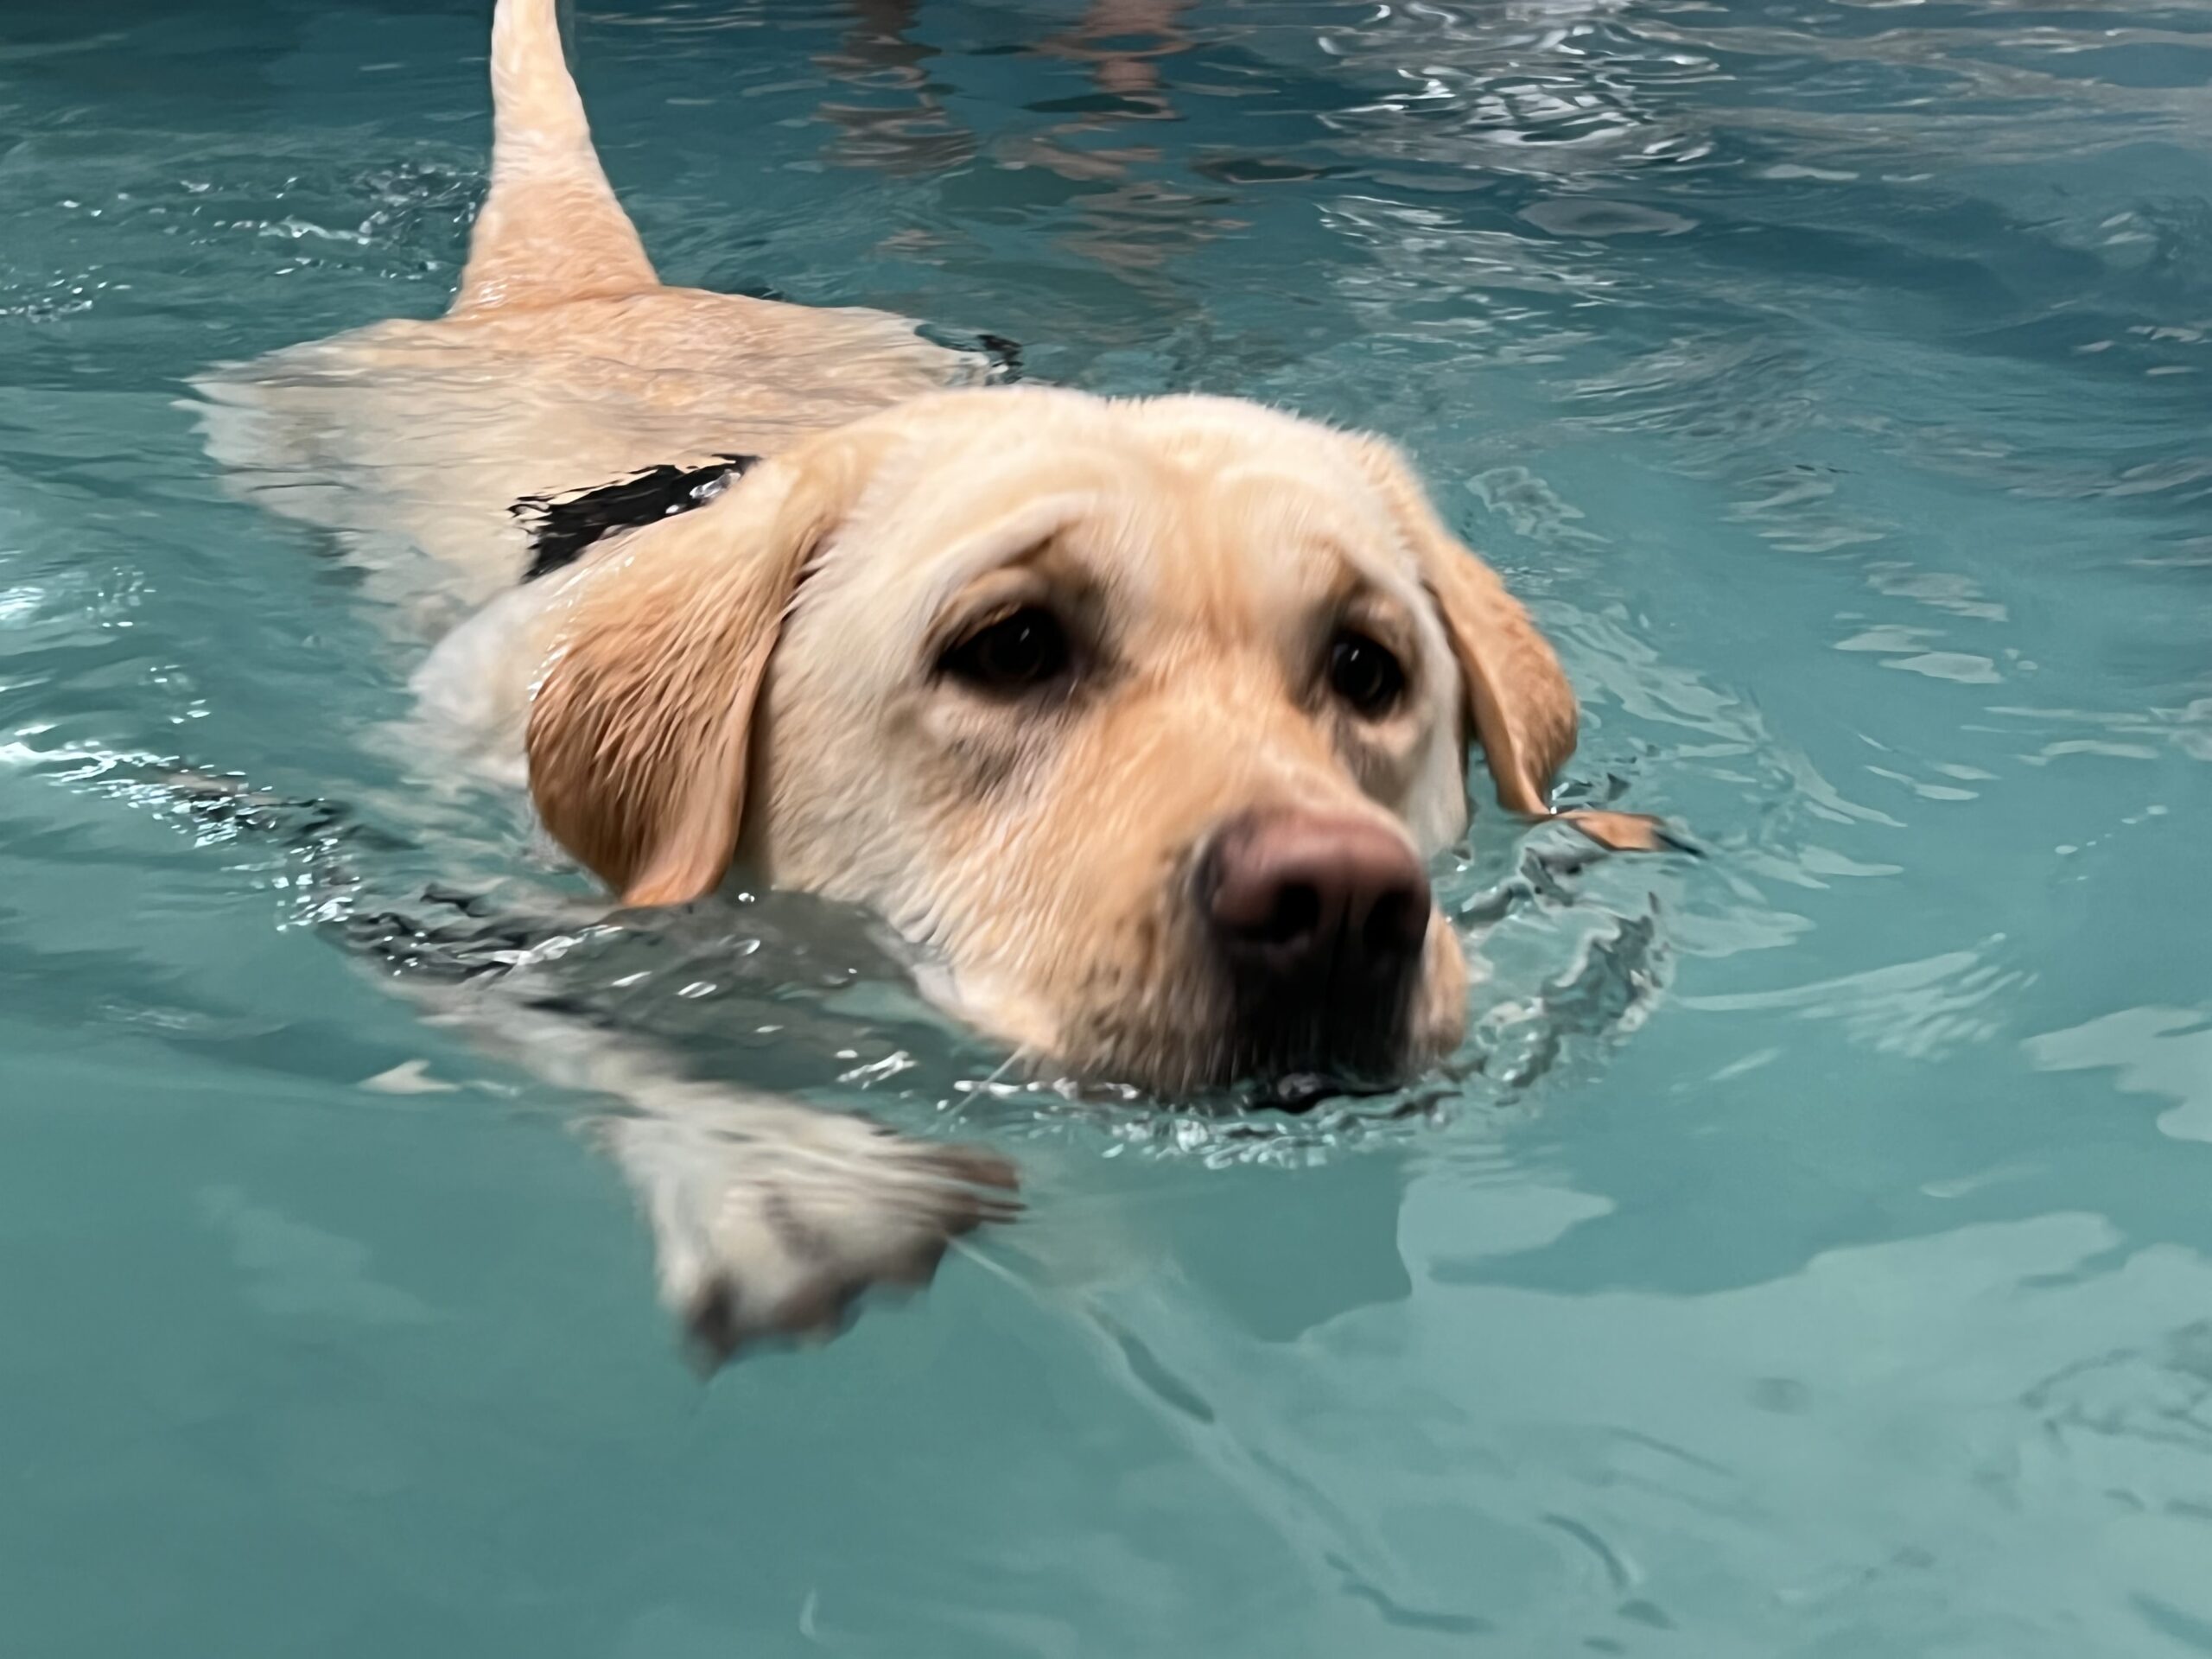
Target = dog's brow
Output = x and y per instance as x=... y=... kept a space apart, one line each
x=1348 y=583
x=1020 y=536
x=1268 y=472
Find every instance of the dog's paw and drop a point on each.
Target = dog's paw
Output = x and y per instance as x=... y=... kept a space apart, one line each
x=772 y=1221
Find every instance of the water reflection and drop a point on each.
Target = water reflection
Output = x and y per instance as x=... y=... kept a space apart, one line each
x=904 y=129
x=1128 y=218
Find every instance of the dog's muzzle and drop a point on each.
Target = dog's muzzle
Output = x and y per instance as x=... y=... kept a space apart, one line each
x=1319 y=922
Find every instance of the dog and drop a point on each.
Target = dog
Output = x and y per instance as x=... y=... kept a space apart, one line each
x=1136 y=722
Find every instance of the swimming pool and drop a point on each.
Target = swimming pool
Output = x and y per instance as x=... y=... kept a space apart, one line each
x=1808 y=1253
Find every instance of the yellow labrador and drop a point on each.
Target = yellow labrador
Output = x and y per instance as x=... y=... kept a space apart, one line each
x=1136 y=720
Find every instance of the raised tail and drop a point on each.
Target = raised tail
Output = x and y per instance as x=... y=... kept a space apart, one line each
x=551 y=229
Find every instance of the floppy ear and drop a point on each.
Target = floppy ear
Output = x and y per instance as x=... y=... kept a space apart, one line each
x=1517 y=696
x=637 y=732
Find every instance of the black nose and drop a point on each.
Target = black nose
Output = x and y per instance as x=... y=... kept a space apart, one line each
x=1314 y=901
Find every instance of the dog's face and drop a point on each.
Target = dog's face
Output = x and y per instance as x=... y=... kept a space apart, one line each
x=1142 y=718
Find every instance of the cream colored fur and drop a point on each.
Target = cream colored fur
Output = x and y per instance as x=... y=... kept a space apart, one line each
x=757 y=681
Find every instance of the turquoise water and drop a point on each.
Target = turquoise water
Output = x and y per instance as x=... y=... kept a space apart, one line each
x=1810 y=1253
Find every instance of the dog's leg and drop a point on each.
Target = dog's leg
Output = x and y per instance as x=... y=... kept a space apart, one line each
x=550 y=230
x=770 y=1218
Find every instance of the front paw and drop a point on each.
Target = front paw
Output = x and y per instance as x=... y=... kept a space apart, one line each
x=771 y=1222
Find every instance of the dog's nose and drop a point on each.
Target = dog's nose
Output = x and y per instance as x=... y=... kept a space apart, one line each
x=1294 y=895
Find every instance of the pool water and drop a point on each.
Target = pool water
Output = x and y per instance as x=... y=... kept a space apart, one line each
x=1811 y=1251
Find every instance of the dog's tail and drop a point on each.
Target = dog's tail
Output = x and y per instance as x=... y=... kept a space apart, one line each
x=550 y=230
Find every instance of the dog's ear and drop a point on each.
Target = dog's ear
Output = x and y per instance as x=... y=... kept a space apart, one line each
x=637 y=732
x=1518 y=700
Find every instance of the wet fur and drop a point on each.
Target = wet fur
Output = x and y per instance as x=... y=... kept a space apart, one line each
x=750 y=680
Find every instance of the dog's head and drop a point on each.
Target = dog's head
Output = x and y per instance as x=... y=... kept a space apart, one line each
x=1142 y=717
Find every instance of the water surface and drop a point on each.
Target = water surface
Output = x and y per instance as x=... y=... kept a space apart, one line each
x=1807 y=1253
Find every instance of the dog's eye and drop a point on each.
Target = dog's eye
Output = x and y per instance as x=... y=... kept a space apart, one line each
x=1364 y=674
x=1018 y=653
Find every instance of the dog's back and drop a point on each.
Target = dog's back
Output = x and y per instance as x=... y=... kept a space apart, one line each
x=564 y=362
